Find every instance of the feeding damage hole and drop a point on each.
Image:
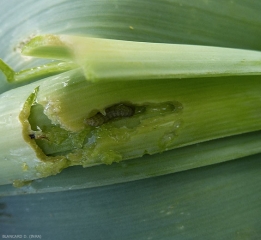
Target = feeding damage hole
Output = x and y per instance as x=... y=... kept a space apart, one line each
x=113 y=112
x=119 y=121
x=122 y=110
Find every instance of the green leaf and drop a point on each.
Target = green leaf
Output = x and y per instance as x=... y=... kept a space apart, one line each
x=177 y=118
x=177 y=160
x=214 y=202
x=114 y=60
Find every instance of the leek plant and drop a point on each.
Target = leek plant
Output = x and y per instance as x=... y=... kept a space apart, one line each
x=175 y=92
x=183 y=94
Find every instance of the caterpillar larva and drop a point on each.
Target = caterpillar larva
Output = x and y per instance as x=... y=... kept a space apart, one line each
x=116 y=111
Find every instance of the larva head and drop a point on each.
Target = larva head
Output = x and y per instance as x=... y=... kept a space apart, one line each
x=95 y=121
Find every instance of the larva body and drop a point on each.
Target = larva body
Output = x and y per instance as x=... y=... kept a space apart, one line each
x=116 y=111
x=120 y=110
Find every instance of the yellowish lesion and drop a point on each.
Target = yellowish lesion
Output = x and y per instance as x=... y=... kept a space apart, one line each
x=23 y=117
x=25 y=167
x=49 y=165
x=21 y=183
